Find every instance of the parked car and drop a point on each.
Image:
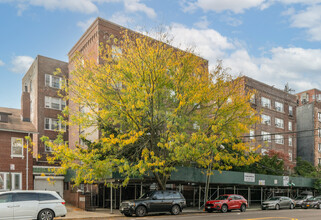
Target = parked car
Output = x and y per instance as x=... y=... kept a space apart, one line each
x=41 y=205
x=154 y=201
x=227 y=202
x=312 y=202
x=298 y=200
x=278 y=202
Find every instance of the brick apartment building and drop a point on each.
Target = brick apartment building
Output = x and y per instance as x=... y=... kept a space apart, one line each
x=41 y=85
x=309 y=126
x=277 y=128
x=16 y=161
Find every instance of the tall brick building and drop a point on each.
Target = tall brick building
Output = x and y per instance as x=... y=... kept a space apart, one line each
x=309 y=126
x=277 y=127
x=40 y=88
x=16 y=161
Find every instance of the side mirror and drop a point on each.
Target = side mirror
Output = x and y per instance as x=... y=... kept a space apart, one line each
x=229 y=199
x=154 y=198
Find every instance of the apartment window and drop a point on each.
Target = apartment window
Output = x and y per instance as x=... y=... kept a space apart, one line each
x=290 y=110
x=47 y=146
x=319 y=116
x=266 y=136
x=252 y=100
x=279 y=139
x=290 y=155
x=319 y=97
x=279 y=107
x=319 y=132
x=319 y=161
x=319 y=147
x=266 y=119
x=290 y=125
x=54 y=103
x=279 y=123
x=252 y=134
x=16 y=147
x=265 y=102
x=53 y=81
x=53 y=124
x=13 y=183
x=290 y=141
x=313 y=97
x=115 y=51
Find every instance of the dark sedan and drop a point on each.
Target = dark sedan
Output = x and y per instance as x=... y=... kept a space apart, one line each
x=154 y=201
x=313 y=202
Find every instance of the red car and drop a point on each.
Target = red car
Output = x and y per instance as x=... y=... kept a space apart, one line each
x=226 y=202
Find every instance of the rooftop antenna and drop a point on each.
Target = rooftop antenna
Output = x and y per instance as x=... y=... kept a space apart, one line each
x=288 y=89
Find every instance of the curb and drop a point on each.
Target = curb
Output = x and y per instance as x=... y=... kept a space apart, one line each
x=120 y=215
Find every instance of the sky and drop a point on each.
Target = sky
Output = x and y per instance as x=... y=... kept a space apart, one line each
x=273 y=41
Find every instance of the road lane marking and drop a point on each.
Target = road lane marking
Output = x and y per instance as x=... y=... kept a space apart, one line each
x=270 y=218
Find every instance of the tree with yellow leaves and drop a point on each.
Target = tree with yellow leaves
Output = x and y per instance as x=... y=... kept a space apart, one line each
x=156 y=107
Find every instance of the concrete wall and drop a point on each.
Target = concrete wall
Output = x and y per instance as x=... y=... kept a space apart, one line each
x=305 y=140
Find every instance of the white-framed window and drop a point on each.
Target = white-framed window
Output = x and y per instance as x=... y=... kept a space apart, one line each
x=279 y=106
x=252 y=134
x=319 y=132
x=319 y=116
x=54 y=103
x=266 y=136
x=279 y=139
x=290 y=110
x=53 y=81
x=290 y=125
x=319 y=159
x=53 y=124
x=10 y=182
x=319 y=147
x=290 y=141
x=115 y=51
x=16 y=147
x=252 y=99
x=290 y=155
x=264 y=151
x=279 y=123
x=265 y=102
x=266 y=119
x=47 y=147
x=313 y=97
x=319 y=97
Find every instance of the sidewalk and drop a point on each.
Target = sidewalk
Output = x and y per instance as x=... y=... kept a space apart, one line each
x=74 y=213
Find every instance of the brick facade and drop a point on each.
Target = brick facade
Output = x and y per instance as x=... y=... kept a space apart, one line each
x=275 y=113
x=34 y=83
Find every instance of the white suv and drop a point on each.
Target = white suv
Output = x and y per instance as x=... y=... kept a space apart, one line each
x=41 y=205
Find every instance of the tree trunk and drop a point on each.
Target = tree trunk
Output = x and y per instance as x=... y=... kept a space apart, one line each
x=161 y=180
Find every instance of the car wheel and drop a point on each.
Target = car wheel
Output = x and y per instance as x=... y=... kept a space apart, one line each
x=277 y=207
x=243 y=208
x=262 y=208
x=224 y=208
x=46 y=214
x=128 y=214
x=140 y=211
x=175 y=210
x=292 y=206
x=319 y=206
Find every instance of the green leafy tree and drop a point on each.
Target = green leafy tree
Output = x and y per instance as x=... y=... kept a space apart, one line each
x=156 y=107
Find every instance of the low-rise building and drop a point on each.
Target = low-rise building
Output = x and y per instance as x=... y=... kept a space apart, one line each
x=15 y=150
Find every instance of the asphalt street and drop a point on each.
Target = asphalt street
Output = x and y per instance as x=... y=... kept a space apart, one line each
x=296 y=214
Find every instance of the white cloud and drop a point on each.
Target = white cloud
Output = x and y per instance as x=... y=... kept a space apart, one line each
x=121 y=19
x=85 y=24
x=137 y=6
x=203 y=23
x=209 y=43
x=309 y=19
x=223 y=5
x=21 y=64
x=1 y=63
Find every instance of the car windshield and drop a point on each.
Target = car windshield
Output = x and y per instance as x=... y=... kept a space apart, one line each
x=146 y=195
x=273 y=199
x=311 y=199
x=222 y=198
x=300 y=197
